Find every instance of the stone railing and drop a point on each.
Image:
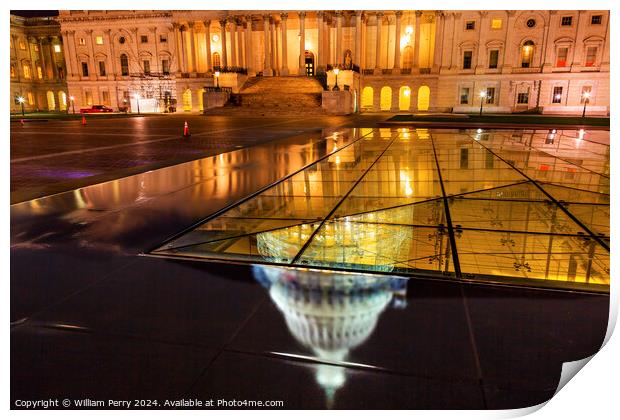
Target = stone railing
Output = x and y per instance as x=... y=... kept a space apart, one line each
x=230 y=69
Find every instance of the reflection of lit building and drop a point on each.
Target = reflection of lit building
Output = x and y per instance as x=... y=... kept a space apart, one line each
x=330 y=313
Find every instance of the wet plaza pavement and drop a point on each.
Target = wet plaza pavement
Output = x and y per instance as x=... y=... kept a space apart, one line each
x=93 y=316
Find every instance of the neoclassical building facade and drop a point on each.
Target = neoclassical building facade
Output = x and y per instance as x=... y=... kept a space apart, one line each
x=38 y=73
x=449 y=61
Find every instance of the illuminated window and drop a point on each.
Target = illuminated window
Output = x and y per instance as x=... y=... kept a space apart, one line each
x=26 y=69
x=99 y=40
x=12 y=70
x=367 y=97
x=467 y=59
x=82 y=41
x=493 y=58
x=216 y=60
x=404 y=98
x=36 y=47
x=470 y=25
x=561 y=59
x=464 y=96
x=557 y=95
x=567 y=20
x=124 y=65
x=57 y=48
x=527 y=53
x=88 y=96
x=591 y=56
x=385 y=102
x=22 y=45
x=491 y=95
x=496 y=24
x=39 y=72
x=596 y=19
x=30 y=98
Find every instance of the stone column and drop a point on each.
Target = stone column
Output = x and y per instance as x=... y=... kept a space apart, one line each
x=66 y=51
x=378 y=46
x=53 y=58
x=273 y=46
x=179 y=52
x=302 y=44
x=358 y=39
x=439 y=34
x=42 y=60
x=91 y=50
x=108 y=33
x=507 y=66
x=320 y=48
x=457 y=30
x=326 y=41
x=549 y=56
x=240 y=50
x=605 y=55
x=192 y=45
x=284 y=70
x=233 y=47
x=338 y=38
x=249 y=52
x=482 y=35
x=184 y=51
x=416 y=52
x=224 y=57
x=578 y=49
x=207 y=24
x=396 y=70
x=267 y=71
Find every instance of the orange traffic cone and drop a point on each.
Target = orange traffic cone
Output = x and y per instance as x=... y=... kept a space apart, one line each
x=83 y=119
x=186 y=130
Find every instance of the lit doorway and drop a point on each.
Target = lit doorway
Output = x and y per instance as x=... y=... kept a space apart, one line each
x=309 y=60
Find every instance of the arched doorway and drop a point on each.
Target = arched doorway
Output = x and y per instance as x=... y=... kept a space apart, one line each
x=62 y=100
x=187 y=100
x=309 y=60
x=527 y=54
x=424 y=98
x=51 y=101
x=216 y=60
x=404 y=98
x=367 y=96
x=385 y=104
x=200 y=99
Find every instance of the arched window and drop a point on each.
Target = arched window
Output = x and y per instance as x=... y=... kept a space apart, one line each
x=124 y=65
x=404 y=98
x=216 y=61
x=187 y=100
x=424 y=98
x=385 y=103
x=51 y=101
x=527 y=54
x=62 y=101
x=367 y=93
x=408 y=58
x=26 y=70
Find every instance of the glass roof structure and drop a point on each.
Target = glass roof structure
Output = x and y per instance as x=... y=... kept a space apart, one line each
x=527 y=207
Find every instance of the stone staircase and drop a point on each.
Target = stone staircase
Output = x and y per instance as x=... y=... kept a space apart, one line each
x=276 y=96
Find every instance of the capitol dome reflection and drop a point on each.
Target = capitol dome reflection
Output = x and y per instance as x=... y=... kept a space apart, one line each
x=330 y=313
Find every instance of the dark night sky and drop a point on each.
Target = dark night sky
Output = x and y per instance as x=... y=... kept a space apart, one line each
x=34 y=13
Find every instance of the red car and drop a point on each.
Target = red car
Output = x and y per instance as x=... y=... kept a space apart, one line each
x=96 y=108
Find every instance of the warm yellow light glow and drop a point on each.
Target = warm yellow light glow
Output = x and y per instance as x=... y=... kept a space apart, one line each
x=483 y=94
x=407 y=92
x=586 y=95
x=336 y=71
x=496 y=24
x=582 y=132
x=215 y=38
x=217 y=74
x=72 y=97
x=20 y=99
x=57 y=48
x=409 y=30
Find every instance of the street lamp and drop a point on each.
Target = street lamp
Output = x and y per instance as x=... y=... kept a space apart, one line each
x=72 y=99
x=336 y=71
x=21 y=101
x=217 y=80
x=586 y=99
x=137 y=96
x=483 y=96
